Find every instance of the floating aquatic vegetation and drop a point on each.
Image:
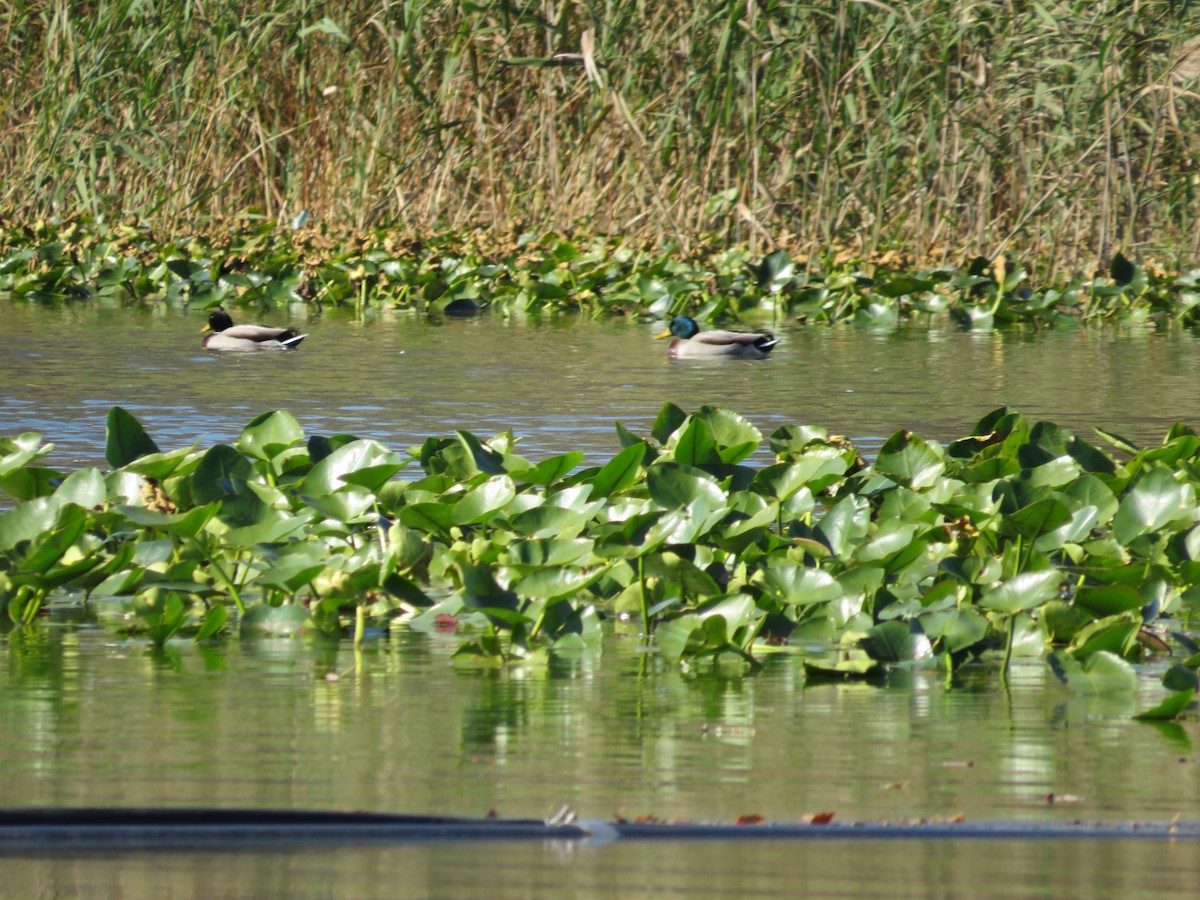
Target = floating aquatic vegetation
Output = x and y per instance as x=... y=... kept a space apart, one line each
x=262 y=267
x=1019 y=539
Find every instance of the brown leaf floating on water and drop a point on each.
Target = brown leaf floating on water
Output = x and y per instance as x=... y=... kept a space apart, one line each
x=1152 y=640
x=752 y=819
x=821 y=818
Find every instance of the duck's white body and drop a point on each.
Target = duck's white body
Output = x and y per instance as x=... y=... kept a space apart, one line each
x=689 y=342
x=227 y=336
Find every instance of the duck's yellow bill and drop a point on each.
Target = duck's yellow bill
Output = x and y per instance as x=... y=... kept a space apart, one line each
x=665 y=334
x=206 y=328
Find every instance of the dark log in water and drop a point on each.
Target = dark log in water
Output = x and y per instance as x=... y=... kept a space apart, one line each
x=50 y=829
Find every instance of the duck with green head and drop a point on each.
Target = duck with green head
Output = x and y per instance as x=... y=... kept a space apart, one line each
x=689 y=342
x=227 y=336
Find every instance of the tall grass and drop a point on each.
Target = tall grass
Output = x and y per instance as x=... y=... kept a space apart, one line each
x=1063 y=129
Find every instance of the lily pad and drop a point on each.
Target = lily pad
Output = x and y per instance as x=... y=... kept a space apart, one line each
x=283 y=620
x=896 y=642
x=850 y=668
x=268 y=435
x=1026 y=591
x=127 y=440
x=619 y=472
x=1171 y=708
x=675 y=486
x=1101 y=673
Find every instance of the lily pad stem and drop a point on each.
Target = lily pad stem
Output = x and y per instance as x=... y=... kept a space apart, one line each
x=645 y=602
x=731 y=647
x=229 y=586
x=537 y=625
x=33 y=605
x=1008 y=646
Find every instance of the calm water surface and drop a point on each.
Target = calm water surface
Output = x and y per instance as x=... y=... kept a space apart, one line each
x=561 y=384
x=86 y=719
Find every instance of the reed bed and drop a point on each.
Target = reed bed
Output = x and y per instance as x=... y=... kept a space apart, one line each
x=1063 y=131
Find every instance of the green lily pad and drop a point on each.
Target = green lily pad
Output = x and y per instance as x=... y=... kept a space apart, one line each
x=214 y=621
x=162 y=465
x=127 y=440
x=735 y=437
x=1100 y=673
x=957 y=629
x=484 y=500
x=619 y=472
x=854 y=667
x=845 y=523
x=1171 y=708
x=692 y=445
x=27 y=521
x=1026 y=591
x=269 y=435
x=15 y=452
x=1063 y=620
x=1038 y=518
x=800 y=585
x=220 y=471
x=549 y=551
x=910 y=460
x=555 y=582
x=283 y=620
x=433 y=518
x=83 y=487
x=1155 y=501
x=1181 y=677
x=896 y=642
x=675 y=486
x=1114 y=634
x=358 y=455
x=485 y=458
x=549 y=471
x=1109 y=599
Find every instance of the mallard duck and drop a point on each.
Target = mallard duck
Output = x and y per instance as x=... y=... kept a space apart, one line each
x=227 y=336
x=689 y=342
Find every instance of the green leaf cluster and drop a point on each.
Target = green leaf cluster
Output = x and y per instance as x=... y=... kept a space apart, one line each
x=711 y=541
x=262 y=267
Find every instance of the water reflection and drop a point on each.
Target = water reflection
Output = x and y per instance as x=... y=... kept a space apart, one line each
x=825 y=868
x=250 y=724
x=819 y=868
x=263 y=723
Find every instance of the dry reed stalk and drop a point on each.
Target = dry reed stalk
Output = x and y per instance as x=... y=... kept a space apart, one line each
x=962 y=127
